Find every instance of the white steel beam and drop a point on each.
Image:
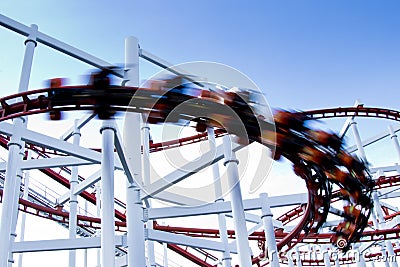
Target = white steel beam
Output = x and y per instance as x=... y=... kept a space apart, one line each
x=119 y=146
x=49 y=163
x=52 y=143
x=64 y=244
x=393 y=223
x=211 y=208
x=348 y=122
x=372 y=140
x=55 y=44
x=178 y=175
x=107 y=193
x=176 y=199
x=165 y=237
x=132 y=145
x=15 y=145
x=225 y=207
x=81 y=122
x=239 y=220
x=394 y=168
x=88 y=182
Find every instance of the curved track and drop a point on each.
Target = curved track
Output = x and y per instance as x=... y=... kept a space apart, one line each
x=317 y=157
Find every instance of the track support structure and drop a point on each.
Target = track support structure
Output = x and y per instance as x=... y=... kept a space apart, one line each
x=132 y=144
x=12 y=182
x=242 y=241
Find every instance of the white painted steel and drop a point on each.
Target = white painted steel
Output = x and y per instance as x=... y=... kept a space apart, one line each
x=381 y=225
x=327 y=260
x=266 y=216
x=242 y=241
x=11 y=184
x=23 y=214
x=73 y=200
x=360 y=147
x=151 y=258
x=132 y=144
x=223 y=230
x=54 y=43
x=66 y=244
x=165 y=237
x=393 y=136
x=107 y=194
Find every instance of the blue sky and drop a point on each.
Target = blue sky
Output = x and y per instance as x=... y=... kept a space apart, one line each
x=302 y=54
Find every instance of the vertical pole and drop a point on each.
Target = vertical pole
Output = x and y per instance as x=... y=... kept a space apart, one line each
x=290 y=259
x=165 y=258
x=98 y=214
x=357 y=137
x=73 y=199
x=395 y=140
x=242 y=239
x=14 y=146
x=371 y=263
x=327 y=260
x=337 y=263
x=223 y=231
x=266 y=216
x=146 y=179
x=85 y=252
x=381 y=218
x=298 y=258
x=132 y=144
x=361 y=260
x=23 y=214
x=13 y=234
x=107 y=194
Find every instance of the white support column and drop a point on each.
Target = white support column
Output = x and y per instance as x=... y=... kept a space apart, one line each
x=298 y=258
x=146 y=178
x=388 y=244
x=242 y=239
x=395 y=140
x=13 y=235
x=266 y=216
x=223 y=231
x=290 y=260
x=134 y=209
x=327 y=260
x=14 y=147
x=361 y=260
x=23 y=214
x=371 y=263
x=132 y=144
x=98 y=214
x=384 y=255
x=165 y=256
x=337 y=263
x=107 y=194
x=85 y=252
x=357 y=138
x=73 y=199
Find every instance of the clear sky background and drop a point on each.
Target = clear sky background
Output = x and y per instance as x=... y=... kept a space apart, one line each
x=303 y=55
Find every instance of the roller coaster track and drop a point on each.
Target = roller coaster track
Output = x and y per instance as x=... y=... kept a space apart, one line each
x=40 y=101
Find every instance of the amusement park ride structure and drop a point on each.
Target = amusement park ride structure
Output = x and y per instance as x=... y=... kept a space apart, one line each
x=339 y=184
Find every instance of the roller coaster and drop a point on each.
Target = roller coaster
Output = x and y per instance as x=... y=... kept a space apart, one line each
x=339 y=184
